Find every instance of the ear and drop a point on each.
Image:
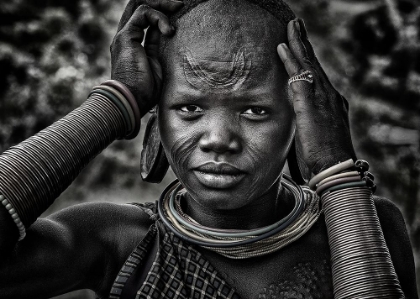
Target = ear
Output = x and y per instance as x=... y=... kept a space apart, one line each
x=154 y=164
x=298 y=170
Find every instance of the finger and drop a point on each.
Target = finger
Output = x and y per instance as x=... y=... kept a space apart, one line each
x=293 y=68
x=304 y=38
x=145 y=16
x=161 y=5
x=151 y=42
x=310 y=52
x=165 y=5
x=290 y=63
x=151 y=46
x=296 y=45
x=128 y=12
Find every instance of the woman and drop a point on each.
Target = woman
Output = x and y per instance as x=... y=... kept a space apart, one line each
x=225 y=123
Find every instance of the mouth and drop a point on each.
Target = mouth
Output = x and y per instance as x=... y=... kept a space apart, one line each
x=218 y=175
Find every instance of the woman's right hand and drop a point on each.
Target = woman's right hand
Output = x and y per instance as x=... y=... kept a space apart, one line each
x=134 y=65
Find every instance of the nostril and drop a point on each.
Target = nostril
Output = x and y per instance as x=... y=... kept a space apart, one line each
x=219 y=143
x=212 y=145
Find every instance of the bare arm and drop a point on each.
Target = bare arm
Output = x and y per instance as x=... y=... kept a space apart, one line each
x=80 y=247
x=321 y=110
x=83 y=246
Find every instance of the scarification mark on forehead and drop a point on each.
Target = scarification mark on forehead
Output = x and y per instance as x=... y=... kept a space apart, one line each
x=217 y=74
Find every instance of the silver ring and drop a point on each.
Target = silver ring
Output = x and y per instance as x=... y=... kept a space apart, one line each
x=305 y=76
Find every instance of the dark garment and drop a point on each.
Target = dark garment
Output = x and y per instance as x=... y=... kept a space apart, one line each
x=178 y=270
x=163 y=266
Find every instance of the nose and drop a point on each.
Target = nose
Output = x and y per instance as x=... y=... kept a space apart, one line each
x=220 y=137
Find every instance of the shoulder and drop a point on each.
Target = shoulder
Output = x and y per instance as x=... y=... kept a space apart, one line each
x=389 y=215
x=107 y=218
x=106 y=232
x=393 y=227
x=118 y=226
x=384 y=204
x=398 y=243
x=105 y=212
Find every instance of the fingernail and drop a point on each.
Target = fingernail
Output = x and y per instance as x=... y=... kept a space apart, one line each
x=171 y=31
x=281 y=49
x=297 y=26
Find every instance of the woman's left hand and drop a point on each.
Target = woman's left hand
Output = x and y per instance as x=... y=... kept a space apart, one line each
x=321 y=111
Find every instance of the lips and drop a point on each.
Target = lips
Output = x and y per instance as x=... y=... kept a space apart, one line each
x=218 y=175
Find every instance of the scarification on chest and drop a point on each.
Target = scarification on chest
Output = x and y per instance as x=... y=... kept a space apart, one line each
x=305 y=281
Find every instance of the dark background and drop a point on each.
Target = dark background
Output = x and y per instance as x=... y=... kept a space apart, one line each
x=53 y=52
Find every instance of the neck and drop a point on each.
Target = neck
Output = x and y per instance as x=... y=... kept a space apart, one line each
x=271 y=207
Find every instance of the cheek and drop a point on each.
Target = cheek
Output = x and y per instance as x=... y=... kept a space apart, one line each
x=180 y=151
x=269 y=148
x=273 y=140
x=177 y=140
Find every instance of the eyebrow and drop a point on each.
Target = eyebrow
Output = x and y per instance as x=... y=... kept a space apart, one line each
x=248 y=96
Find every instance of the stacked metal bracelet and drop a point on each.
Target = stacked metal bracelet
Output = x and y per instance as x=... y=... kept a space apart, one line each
x=343 y=175
x=119 y=94
x=35 y=172
x=361 y=262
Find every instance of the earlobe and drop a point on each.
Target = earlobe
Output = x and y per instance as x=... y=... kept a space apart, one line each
x=154 y=164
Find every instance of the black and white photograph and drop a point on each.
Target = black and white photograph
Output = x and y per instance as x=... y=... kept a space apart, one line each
x=209 y=149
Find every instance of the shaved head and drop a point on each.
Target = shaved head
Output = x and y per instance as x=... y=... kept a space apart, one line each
x=220 y=42
x=278 y=8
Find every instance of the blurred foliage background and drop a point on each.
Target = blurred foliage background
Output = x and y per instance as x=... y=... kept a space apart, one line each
x=53 y=52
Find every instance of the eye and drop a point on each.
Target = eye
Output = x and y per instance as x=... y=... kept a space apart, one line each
x=189 y=112
x=256 y=112
x=191 y=109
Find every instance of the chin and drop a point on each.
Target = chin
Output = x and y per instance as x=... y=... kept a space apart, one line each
x=217 y=200
x=225 y=192
x=231 y=198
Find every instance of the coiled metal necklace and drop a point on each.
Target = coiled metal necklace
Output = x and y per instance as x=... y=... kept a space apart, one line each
x=241 y=244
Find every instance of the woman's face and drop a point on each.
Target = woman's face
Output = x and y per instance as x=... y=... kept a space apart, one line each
x=225 y=119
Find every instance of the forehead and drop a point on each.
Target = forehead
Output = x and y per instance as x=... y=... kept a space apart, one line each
x=226 y=48
x=225 y=36
x=219 y=26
